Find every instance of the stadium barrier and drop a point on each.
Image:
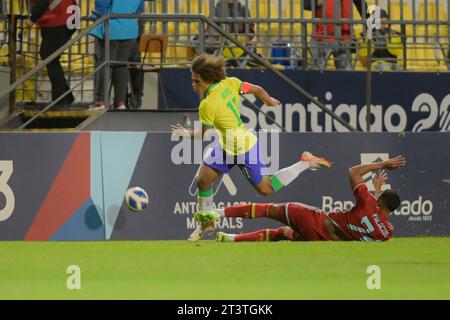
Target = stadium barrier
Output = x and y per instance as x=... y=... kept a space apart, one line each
x=71 y=186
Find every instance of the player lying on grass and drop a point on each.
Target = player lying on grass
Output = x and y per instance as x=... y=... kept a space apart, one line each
x=367 y=220
x=220 y=110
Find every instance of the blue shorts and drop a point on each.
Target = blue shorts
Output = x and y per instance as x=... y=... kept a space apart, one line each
x=250 y=163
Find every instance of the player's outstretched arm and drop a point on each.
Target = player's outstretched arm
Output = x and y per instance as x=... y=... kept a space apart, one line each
x=356 y=173
x=181 y=131
x=262 y=95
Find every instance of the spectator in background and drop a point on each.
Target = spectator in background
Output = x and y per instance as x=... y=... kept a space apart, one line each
x=229 y=9
x=387 y=45
x=136 y=73
x=234 y=9
x=330 y=38
x=123 y=34
x=51 y=18
x=244 y=32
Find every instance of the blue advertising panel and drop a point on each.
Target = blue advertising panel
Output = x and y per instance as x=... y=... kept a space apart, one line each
x=71 y=186
x=423 y=184
x=400 y=101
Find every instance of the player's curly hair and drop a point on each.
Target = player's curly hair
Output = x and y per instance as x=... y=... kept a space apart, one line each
x=210 y=68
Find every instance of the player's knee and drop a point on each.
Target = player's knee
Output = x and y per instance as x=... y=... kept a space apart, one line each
x=281 y=233
x=264 y=188
x=273 y=211
x=265 y=191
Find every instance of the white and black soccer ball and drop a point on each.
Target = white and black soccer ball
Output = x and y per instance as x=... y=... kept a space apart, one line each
x=136 y=199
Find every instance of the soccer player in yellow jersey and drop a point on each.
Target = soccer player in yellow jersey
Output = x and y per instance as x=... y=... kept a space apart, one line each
x=220 y=110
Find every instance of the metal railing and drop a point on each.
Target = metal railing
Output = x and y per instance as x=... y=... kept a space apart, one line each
x=282 y=28
x=282 y=31
x=106 y=65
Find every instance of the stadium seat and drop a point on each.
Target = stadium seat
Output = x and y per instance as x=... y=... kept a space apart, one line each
x=359 y=66
x=25 y=92
x=193 y=7
x=431 y=11
x=196 y=7
x=425 y=57
x=158 y=27
x=179 y=52
x=295 y=11
x=261 y=9
x=86 y=7
x=330 y=63
x=182 y=51
x=26 y=48
x=154 y=50
x=3 y=45
x=401 y=11
x=357 y=27
x=19 y=8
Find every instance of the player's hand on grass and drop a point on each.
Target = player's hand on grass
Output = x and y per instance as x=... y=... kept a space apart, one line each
x=394 y=163
x=378 y=181
x=181 y=131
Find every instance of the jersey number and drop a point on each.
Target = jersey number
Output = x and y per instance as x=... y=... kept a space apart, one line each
x=233 y=107
x=368 y=228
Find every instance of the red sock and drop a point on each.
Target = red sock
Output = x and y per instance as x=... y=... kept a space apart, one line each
x=282 y=233
x=248 y=211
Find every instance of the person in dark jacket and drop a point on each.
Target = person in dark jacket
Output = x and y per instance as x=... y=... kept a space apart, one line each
x=136 y=73
x=51 y=17
x=387 y=45
x=234 y=9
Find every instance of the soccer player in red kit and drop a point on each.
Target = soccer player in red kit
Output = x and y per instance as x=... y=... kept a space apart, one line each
x=367 y=220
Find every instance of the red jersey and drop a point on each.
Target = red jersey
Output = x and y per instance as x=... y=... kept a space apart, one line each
x=364 y=221
x=328 y=29
x=58 y=17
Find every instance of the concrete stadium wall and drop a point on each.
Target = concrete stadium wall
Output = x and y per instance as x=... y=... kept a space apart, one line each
x=140 y=120
x=71 y=186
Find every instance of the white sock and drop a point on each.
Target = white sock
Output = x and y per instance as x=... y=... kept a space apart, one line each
x=285 y=176
x=205 y=200
x=232 y=236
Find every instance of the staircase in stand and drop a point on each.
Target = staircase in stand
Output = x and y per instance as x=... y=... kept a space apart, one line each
x=51 y=121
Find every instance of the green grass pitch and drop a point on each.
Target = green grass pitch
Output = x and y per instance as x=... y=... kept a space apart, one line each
x=411 y=268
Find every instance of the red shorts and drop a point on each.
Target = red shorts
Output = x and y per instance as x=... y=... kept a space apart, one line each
x=307 y=221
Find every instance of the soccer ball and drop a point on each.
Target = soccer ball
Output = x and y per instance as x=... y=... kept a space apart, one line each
x=136 y=199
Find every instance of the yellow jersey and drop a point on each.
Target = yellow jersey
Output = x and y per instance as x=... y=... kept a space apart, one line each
x=220 y=109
